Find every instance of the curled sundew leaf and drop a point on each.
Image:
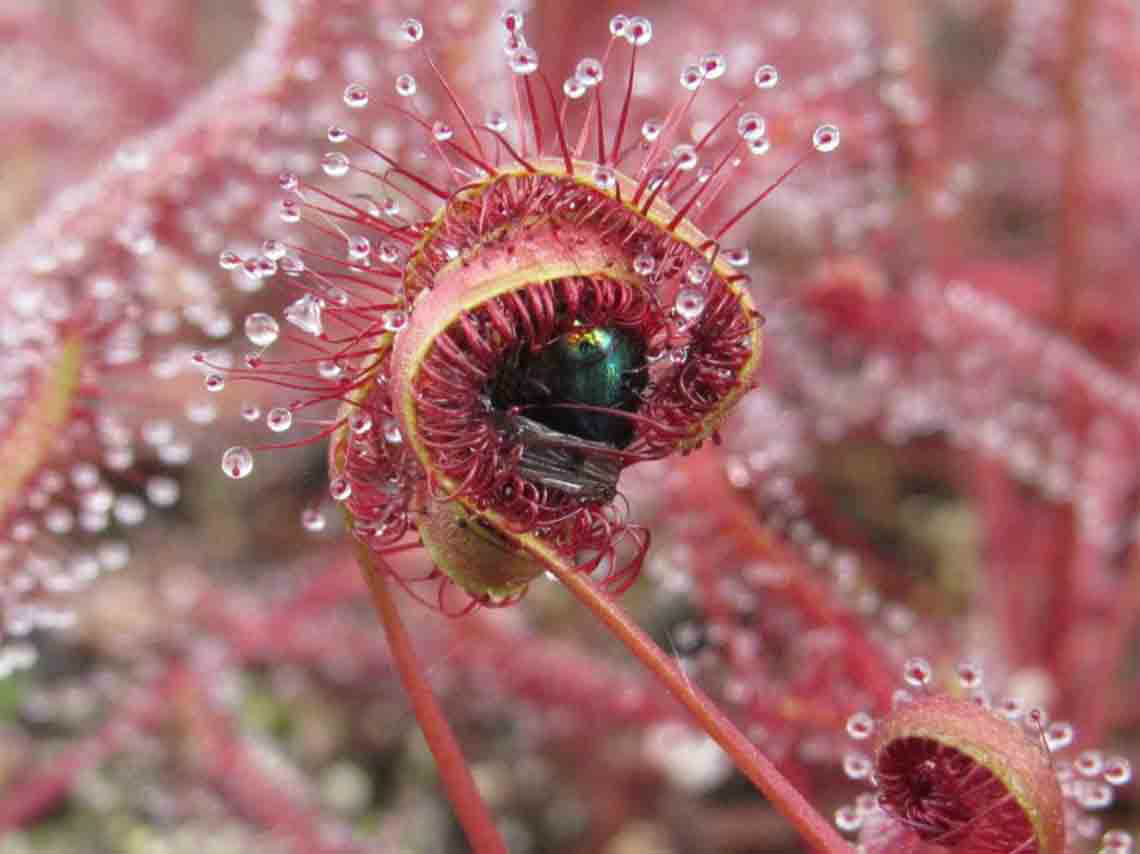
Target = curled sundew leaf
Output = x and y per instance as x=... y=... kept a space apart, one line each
x=487 y=482
x=963 y=777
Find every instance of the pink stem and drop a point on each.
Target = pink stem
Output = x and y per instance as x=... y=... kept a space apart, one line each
x=453 y=771
x=812 y=827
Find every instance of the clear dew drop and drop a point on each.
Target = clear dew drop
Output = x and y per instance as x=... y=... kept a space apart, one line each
x=162 y=491
x=340 y=488
x=279 y=419
x=751 y=126
x=970 y=674
x=412 y=30
x=857 y=766
x=512 y=20
x=250 y=412
x=691 y=77
x=573 y=89
x=395 y=320
x=766 y=77
x=848 y=819
x=524 y=61
x=312 y=520
x=334 y=164
x=337 y=134
x=713 y=65
x=405 y=85
x=392 y=433
x=1117 y=771
x=1095 y=796
x=261 y=329
x=917 y=672
x=685 y=156
x=689 y=304
x=825 y=138
x=603 y=177
x=359 y=423
x=644 y=264
x=305 y=314
x=441 y=131
x=760 y=146
x=329 y=369
x=356 y=96
x=1116 y=842
x=214 y=382
x=737 y=257
x=274 y=250
x=229 y=260
x=589 y=72
x=618 y=26
x=698 y=273
x=389 y=253
x=1059 y=735
x=639 y=31
x=860 y=726
x=359 y=248
x=237 y=462
x=496 y=121
x=651 y=129
x=1089 y=763
x=288 y=181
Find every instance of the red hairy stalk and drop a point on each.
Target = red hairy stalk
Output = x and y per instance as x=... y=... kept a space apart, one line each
x=785 y=797
x=453 y=770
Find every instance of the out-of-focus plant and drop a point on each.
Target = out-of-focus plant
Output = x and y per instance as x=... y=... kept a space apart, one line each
x=933 y=474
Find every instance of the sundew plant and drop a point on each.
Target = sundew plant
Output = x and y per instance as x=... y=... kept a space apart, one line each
x=570 y=427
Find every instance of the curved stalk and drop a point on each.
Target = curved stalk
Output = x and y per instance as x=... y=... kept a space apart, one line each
x=453 y=770
x=816 y=830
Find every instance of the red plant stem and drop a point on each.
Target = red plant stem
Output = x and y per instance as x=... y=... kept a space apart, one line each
x=811 y=826
x=453 y=771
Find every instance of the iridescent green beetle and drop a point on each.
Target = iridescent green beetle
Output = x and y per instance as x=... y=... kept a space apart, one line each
x=565 y=447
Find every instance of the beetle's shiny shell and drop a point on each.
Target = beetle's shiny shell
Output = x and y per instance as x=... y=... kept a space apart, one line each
x=597 y=366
